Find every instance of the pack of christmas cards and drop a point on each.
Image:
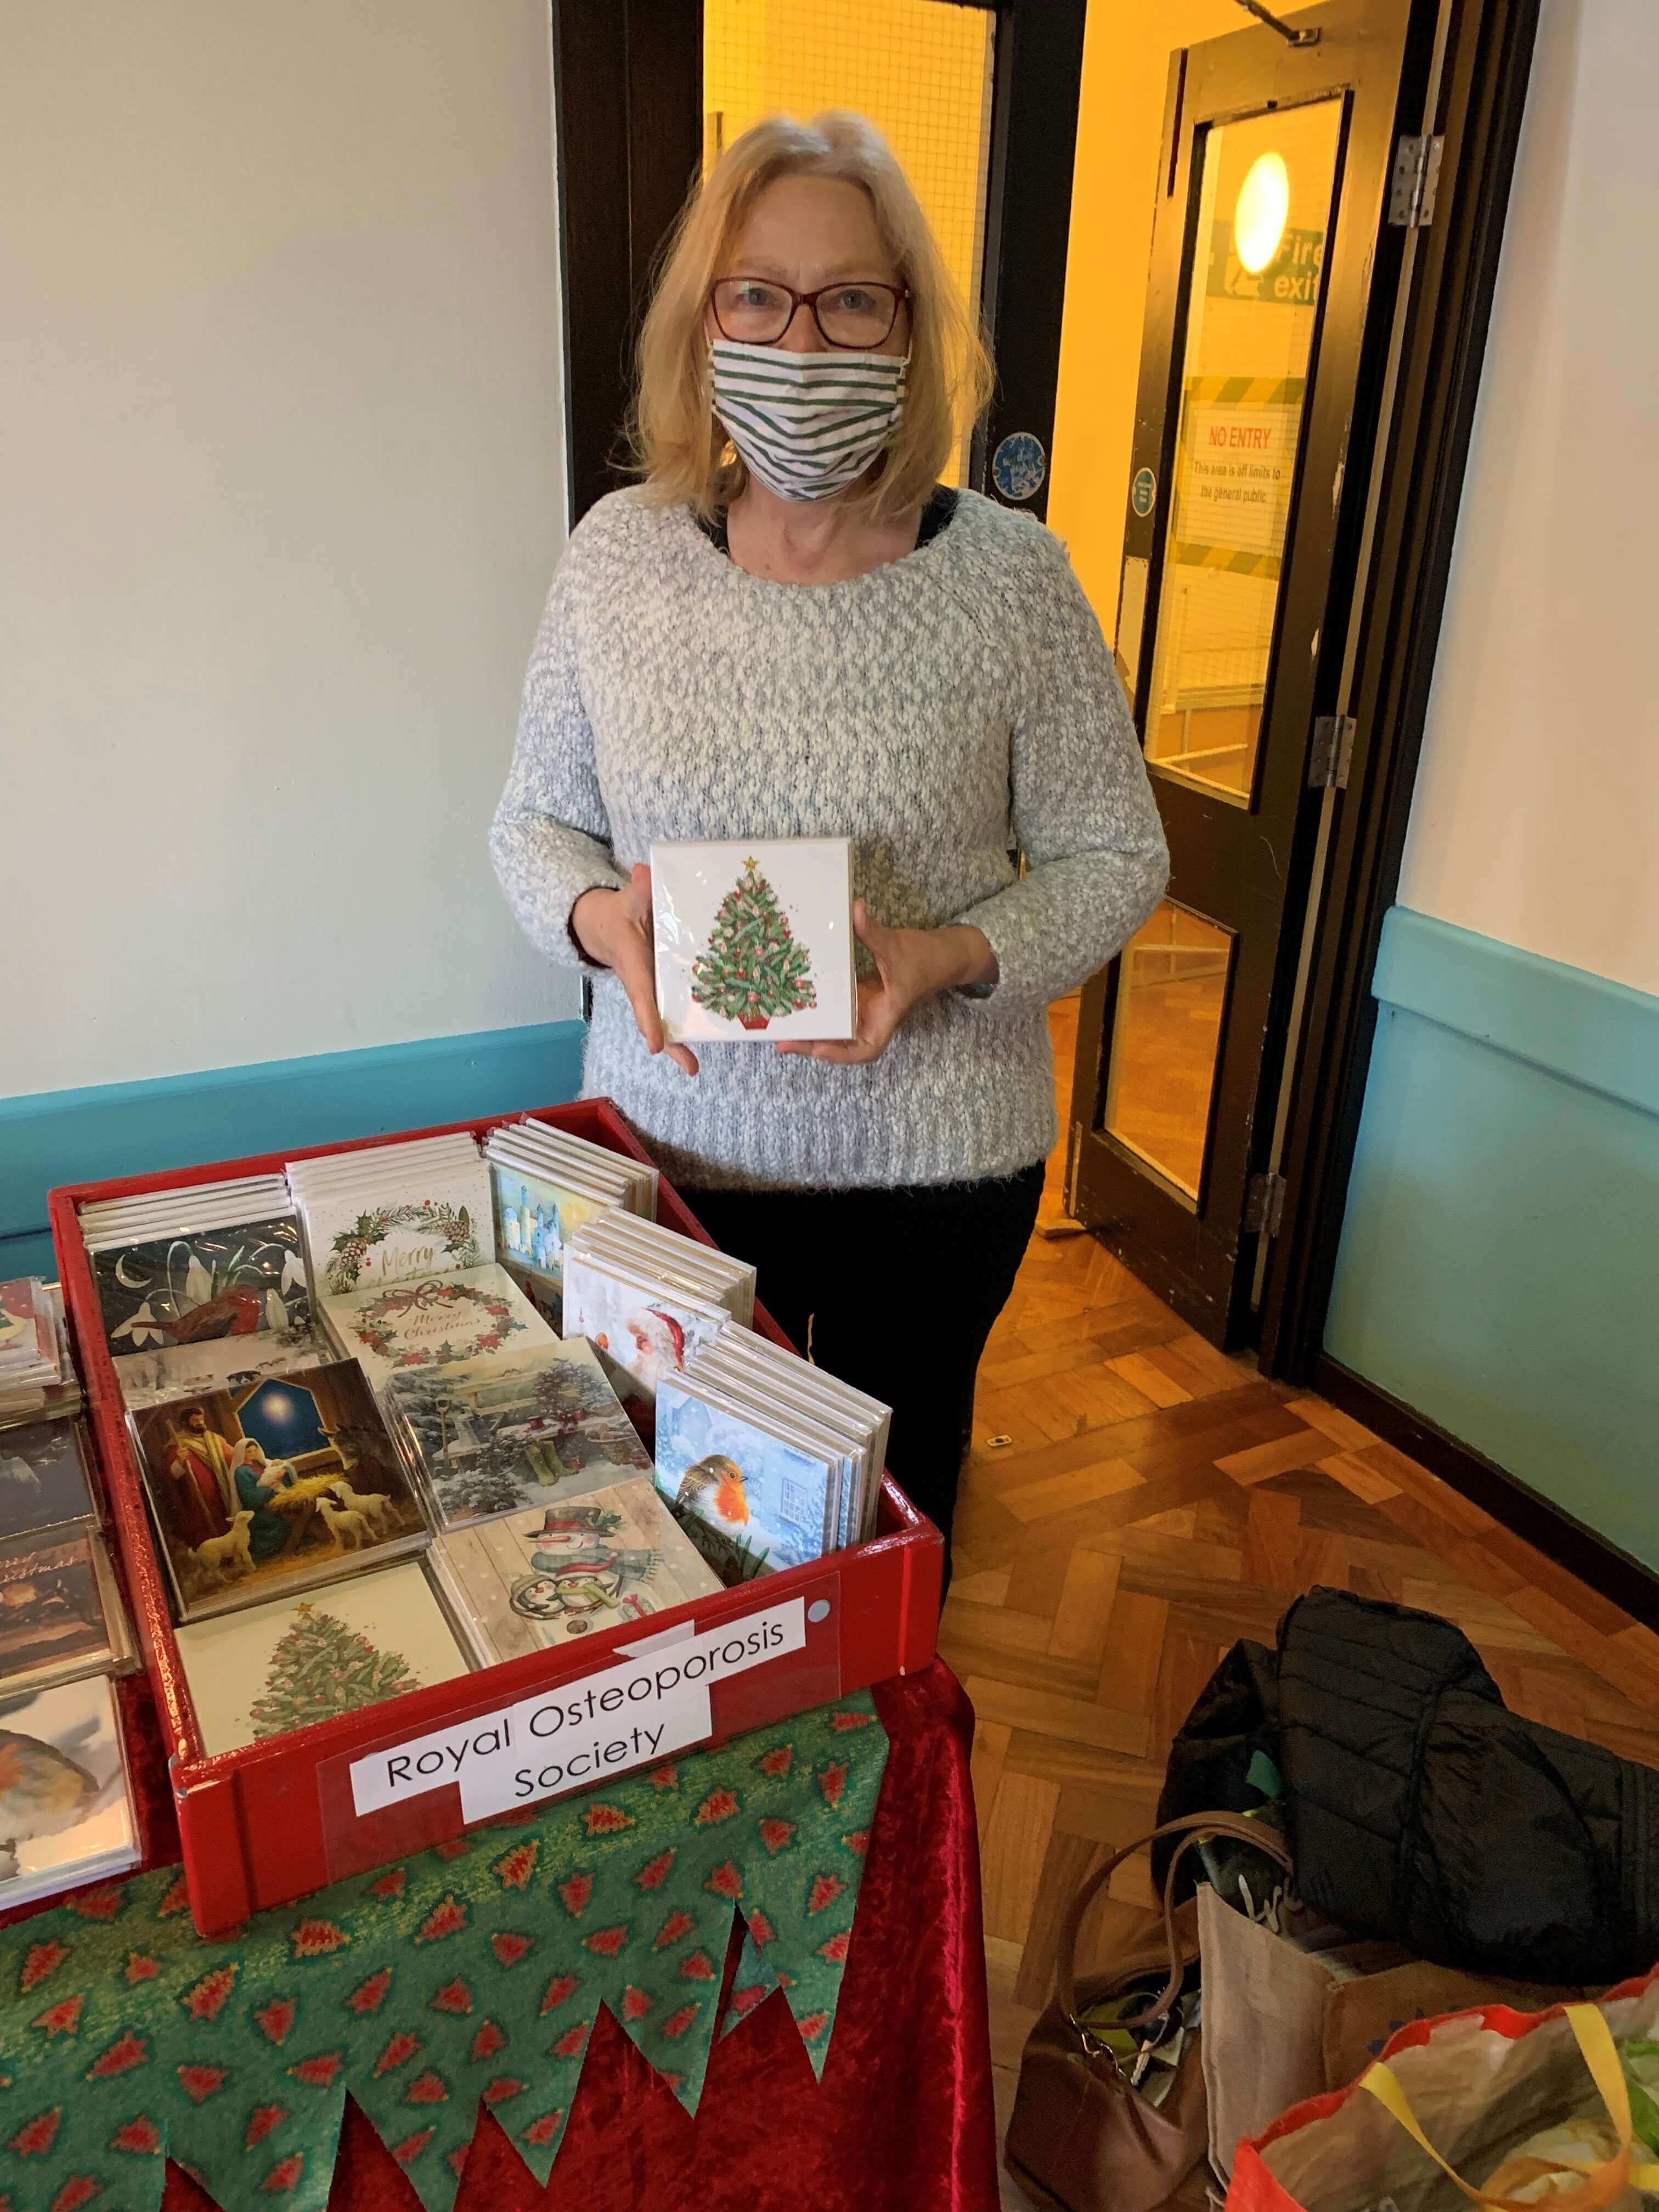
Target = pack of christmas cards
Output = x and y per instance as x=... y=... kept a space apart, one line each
x=393 y=1213
x=576 y=1160
x=614 y=1556
x=678 y=1263
x=186 y=1279
x=288 y=1481
x=435 y=1321
x=28 y=1338
x=226 y=1363
x=272 y=1668
x=755 y=1493
x=66 y=1813
x=500 y=1436
x=755 y=939
x=60 y=1611
x=770 y=1381
x=44 y=1477
x=59 y=1397
x=643 y=1328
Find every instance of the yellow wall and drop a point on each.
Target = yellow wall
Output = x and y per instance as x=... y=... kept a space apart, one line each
x=1126 y=63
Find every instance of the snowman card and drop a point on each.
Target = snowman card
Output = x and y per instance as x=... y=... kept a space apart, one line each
x=755 y=939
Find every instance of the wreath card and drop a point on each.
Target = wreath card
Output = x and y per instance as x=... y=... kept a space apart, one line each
x=755 y=939
x=436 y=1320
x=364 y=1234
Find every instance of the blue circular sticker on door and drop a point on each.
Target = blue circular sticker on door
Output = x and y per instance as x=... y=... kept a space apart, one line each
x=1019 y=465
x=1143 y=491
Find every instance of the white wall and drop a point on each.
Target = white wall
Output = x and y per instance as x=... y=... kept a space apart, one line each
x=280 y=495
x=1536 y=817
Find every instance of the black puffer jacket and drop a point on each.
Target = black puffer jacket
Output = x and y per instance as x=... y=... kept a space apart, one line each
x=1419 y=1808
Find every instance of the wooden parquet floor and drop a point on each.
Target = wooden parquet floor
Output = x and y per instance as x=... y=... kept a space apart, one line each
x=1135 y=1503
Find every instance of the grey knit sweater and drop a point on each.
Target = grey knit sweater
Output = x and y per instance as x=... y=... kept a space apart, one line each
x=938 y=711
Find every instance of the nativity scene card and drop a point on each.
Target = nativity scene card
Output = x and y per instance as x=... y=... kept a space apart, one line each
x=288 y=1481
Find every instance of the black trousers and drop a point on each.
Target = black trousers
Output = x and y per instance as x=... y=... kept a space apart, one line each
x=896 y=1291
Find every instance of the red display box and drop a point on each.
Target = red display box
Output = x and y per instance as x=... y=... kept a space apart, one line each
x=264 y=1825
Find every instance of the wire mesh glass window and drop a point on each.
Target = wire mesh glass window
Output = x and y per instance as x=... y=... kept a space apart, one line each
x=921 y=70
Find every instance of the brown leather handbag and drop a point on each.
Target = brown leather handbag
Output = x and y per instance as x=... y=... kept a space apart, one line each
x=1081 y=2137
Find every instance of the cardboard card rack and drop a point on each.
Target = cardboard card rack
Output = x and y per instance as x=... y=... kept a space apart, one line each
x=265 y=1823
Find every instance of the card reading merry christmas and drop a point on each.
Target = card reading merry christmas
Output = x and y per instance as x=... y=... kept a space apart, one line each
x=755 y=939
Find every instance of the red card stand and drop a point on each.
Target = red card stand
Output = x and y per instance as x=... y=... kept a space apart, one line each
x=264 y=1825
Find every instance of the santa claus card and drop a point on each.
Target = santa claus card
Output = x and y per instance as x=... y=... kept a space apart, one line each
x=642 y=1330
x=499 y=1436
x=754 y=939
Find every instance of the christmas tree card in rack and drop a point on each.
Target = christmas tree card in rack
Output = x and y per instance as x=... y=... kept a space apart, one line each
x=279 y=1667
x=755 y=939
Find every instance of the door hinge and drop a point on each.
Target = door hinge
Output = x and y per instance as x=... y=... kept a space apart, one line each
x=1073 y=1150
x=1264 y=1205
x=1332 y=753
x=1415 y=181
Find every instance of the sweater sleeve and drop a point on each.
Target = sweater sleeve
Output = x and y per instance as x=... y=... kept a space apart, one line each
x=551 y=839
x=1082 y=811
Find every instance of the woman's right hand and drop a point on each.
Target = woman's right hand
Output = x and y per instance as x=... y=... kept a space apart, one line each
x=613 y=928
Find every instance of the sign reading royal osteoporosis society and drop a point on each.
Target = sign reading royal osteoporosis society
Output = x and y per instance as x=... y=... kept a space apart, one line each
x=653 y=1701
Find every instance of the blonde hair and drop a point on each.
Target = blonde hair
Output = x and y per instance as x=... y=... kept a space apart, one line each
x=678 y=444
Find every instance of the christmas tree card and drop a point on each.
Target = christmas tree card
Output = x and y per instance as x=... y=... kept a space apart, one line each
x=191 y=1285
x=275 y=1483
x=499 y=1436
x=750 y=1500
x=755 y=939
x=535 y=1579
x=66 y=1815
x=436 y=1320
x=275 y=1667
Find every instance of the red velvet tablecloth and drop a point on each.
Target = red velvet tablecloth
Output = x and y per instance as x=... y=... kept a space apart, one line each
x=901 y=2121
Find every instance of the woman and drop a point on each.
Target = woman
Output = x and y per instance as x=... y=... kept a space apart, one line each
x=790 y=628
x=257 y=1480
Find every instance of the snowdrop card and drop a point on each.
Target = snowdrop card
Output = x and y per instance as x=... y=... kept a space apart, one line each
x=163 y=1288
x=755 y=939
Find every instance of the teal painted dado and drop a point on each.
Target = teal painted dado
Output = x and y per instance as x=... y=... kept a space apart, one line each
x=1500 y=1266
x=55 y=1136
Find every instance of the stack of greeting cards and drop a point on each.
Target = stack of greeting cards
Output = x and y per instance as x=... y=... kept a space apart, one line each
x=538 y=1578
x=546 y=1183
x=389 y=1213
x=501 y=1436
x=60 y=1612
x=767 y=1461
x=274 y=1667
x=37 y=1384
x=289 y=1482
x=435 y=1321
x=201 y=1287
x=66 y=1812
x=646 y=1298
x=755 y=939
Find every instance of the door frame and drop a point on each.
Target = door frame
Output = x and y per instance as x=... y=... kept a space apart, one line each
x=628 y=126
x=627 y=100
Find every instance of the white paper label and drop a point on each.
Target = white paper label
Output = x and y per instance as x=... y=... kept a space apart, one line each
x=629 y=1714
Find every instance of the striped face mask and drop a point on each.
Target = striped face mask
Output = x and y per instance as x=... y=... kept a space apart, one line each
x=807 y=425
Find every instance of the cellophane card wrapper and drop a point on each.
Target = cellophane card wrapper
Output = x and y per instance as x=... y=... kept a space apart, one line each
x=754 y=939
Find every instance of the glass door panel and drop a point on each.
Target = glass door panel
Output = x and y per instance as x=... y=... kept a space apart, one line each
x=1265 y=198
x=1166 y=1043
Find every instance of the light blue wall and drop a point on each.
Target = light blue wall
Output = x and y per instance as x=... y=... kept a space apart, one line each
x=177 y=1120
x=1499 y=1265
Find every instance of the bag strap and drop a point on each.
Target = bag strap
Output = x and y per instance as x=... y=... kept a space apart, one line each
x=1599 y=2185
x=1192 y=1827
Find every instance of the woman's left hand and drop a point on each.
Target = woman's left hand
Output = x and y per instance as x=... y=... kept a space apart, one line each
x=911 y=965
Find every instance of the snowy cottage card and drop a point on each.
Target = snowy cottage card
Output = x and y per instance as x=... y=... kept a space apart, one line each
x=754 y=939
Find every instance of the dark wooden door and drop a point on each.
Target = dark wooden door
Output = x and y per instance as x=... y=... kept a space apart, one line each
x=1272 y=260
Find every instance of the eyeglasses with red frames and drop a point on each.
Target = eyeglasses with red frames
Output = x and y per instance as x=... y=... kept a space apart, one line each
x=856 y=314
